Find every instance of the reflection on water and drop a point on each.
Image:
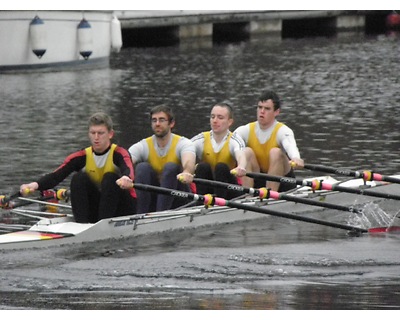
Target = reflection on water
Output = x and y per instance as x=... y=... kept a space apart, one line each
x=341 y=98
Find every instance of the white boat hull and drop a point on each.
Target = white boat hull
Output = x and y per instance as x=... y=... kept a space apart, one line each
x=61 y=231
x=48 y=233
x=59 y=37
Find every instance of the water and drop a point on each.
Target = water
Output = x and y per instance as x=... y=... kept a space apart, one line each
x=340 y=96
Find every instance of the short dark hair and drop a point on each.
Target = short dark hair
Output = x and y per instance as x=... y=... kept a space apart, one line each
x=101 y=118
x=163 y=108
x=268 y=94
x=226 y=105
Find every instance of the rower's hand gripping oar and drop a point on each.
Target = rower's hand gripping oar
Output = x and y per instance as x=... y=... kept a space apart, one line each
x=366 y=175
x=209 y=200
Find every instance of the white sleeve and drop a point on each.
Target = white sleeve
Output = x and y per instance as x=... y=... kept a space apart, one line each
x=184 y=145
x=198 y=141
x=236 y=143
x=287 y=141
x=139 y=151
x=243 y=132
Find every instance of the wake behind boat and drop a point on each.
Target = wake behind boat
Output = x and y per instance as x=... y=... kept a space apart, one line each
x=62 y=230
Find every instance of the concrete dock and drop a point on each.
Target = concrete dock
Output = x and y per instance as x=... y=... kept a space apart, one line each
x=182 y=25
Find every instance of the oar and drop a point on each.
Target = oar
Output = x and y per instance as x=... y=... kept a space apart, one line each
x=320 y=185
x=5 y=200
x=38 y=214
x=40 y=201
x=367 y=175
x=264 y=193
x=60 y=194
x=208 y=200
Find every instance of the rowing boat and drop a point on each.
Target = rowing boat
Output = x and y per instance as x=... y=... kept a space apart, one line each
x=62 y=230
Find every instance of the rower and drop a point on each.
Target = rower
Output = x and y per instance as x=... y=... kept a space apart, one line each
x=218 y=152
x=271 y=145
x=164 y=159
x=94 y=193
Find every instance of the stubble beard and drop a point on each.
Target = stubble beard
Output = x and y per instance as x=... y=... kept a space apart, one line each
x=161 y=134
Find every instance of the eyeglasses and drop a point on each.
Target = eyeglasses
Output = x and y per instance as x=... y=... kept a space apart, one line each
x=160 y=120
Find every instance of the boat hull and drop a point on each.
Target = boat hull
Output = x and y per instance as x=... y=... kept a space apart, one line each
x=47 y=233
x=63 y=231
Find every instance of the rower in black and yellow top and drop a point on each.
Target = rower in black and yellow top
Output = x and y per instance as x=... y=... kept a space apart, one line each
x=98 y=165
x=95 y=194
x=164 y=159
x=270 y=145
x=218 y=152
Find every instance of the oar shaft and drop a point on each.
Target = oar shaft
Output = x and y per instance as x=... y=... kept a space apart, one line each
x=318 y=185
x=326 y=169
x=39 y=201
x=367 y=175
x=228 y=186
x=292 y=216
x=317 y=203
x=169 y=192
x=238 y=205
x=276 y=195
x=388 y=179
x=278 y=179
x=371 y=176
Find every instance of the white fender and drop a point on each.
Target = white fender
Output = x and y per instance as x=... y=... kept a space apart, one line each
x=116 y=34
x=85 y=39
x=38 y=36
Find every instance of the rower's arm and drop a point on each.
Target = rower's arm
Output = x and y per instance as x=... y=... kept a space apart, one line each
x=241 y=163
x=188 y=160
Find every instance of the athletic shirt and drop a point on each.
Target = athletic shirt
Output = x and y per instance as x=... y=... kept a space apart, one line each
x=262 y=150
x=157 y=161
x=222 y=156
x=96 y=166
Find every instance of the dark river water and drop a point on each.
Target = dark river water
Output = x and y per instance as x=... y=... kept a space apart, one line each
x=341 y=96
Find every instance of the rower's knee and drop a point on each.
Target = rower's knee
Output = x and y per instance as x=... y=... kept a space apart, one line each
x=277 y=158
x=276 y=154
x=251 y=159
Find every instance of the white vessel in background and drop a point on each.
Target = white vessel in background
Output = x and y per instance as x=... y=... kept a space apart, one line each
x=57 y=40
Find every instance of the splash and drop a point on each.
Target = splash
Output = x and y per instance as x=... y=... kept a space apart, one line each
x=372 y=216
